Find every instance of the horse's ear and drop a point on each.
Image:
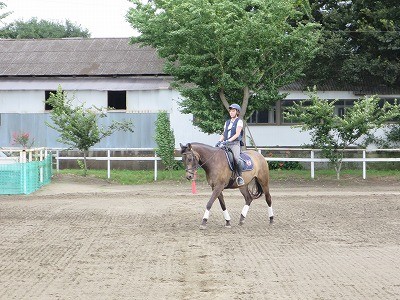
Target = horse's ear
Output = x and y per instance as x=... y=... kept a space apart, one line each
x=180 y=144
x=189 y=146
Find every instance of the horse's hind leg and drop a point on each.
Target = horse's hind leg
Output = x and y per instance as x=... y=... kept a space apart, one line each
x=270 y=210
x=265 y=188
x=248 y=199
x=224 y=211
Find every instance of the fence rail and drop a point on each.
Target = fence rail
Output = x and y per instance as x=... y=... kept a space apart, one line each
x=311 y=159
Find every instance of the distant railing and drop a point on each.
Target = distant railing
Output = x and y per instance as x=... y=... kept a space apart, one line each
x=18 y=155
x=23 y=171
x=311 y=159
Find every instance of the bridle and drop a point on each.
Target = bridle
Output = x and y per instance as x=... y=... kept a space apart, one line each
x=197 y=166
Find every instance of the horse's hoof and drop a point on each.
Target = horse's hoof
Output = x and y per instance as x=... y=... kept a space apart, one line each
x=241 y=223
x=271 y=220
x=203 y=227
x=228 y=226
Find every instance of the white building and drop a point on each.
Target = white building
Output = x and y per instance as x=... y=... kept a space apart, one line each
x=108 y=72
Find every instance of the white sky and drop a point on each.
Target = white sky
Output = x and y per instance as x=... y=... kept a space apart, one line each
x=103 y=18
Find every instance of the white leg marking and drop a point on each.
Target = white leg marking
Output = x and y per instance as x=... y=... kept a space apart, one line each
x=206 y=214
x=270 y=212
x=226 y=215
x=245 y=210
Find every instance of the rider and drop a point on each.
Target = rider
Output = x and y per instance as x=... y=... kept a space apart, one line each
x=232 y=137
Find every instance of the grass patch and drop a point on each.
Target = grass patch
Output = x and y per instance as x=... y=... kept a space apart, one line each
x=131 y=177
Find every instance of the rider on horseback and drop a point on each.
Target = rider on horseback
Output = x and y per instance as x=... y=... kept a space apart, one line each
x=232 y=137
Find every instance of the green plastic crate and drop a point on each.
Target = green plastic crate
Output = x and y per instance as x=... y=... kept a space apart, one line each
x=25 y=178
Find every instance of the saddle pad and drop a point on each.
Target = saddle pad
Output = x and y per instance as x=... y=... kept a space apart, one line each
x=247 y=163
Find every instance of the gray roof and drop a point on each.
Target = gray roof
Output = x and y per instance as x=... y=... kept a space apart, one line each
x=364 y=87
x=77 y=57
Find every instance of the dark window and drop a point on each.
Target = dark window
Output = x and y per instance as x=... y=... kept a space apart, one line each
x=46 y=96
x=263 y=117
x=285 y=104
x=116 y=100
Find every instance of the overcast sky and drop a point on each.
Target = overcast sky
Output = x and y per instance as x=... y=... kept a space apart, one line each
x=103 y=18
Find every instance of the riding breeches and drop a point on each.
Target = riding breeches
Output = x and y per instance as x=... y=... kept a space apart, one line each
x=235 y=147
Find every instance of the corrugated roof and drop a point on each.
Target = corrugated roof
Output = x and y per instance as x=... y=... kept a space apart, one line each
x=364 y=87
x=77 y=57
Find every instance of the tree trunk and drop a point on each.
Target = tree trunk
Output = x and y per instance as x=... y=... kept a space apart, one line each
x=84 y=164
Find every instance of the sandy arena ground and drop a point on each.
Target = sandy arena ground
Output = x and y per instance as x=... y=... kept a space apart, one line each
x=88 y=239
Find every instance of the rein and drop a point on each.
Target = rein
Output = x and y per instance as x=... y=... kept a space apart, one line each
x=198 y=166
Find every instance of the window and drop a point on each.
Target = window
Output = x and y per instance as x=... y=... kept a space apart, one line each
x=46 y=96
x=263 y=117
x=116 y=100
x=341 y=106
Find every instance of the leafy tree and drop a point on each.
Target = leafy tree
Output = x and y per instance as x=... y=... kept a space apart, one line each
x=165 y=141
x=360 y=42
x=3 y=15
x=41 y=29
x=332 y=133
x=78 y=126
x=225 y=51
x=390 y=138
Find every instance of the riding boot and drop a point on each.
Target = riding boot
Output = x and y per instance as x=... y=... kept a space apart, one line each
x=239 y=179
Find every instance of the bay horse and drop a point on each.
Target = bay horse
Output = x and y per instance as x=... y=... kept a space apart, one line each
x=219 y=176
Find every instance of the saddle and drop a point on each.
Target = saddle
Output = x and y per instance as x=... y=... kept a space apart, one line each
x=245 y=160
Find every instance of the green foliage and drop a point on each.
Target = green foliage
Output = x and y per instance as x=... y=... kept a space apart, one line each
x=3 y=15
x=284 y=165
x=41 y=29
x=390 y=138
x=77 y=125
x=165 y=141
x=220 y=52
x=331 y=133
x=360 y=42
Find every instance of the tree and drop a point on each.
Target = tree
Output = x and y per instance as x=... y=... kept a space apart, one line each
x=360 y=42
x=225 y=51
x=41 y=29
x=332 y=133
x=165 y=141
x=3 y=15
x=78 y=126
x=389 y=139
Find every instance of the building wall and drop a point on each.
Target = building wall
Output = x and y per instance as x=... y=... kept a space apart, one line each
x=22 y=110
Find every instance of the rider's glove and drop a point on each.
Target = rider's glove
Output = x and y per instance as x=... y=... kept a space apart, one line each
x=218 y=144
x=224 y=143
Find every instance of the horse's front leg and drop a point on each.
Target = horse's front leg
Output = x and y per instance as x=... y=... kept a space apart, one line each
x=248 y=199
x=216 y=192
x=224 y=211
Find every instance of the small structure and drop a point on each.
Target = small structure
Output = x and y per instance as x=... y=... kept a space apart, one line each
x=23 y=171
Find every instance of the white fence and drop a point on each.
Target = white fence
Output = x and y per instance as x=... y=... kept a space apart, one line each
x=18 y=155
x=311 y=159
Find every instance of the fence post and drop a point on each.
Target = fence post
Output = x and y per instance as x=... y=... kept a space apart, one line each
x=57 y=161
x=312 y=165
x=364 y=164
x=108 y=164
x=155 y=166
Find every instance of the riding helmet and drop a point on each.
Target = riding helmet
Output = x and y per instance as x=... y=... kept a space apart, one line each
x=235 y=106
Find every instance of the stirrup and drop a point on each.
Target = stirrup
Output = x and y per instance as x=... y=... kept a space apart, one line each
x=239 y=181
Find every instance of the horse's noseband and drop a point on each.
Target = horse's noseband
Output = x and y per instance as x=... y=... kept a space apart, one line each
x=196 y=166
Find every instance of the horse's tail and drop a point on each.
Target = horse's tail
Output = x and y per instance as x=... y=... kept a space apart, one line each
x=255 y=189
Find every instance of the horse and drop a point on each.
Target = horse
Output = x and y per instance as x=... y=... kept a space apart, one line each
x=220 y=176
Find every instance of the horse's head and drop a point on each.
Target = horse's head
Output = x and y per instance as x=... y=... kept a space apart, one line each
x=190 y=159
